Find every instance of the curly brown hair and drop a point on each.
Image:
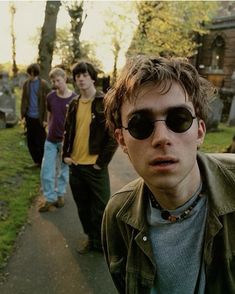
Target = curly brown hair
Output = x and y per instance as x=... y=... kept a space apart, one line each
x=141 y=70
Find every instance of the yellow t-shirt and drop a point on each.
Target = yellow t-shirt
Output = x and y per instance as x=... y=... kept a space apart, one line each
x=80 y=153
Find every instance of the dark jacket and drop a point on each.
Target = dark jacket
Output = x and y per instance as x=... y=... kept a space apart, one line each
x=126 y=242
x=100 y=140
x=43 y=90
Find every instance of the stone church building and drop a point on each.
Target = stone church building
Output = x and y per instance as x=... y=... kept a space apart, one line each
x=216 y=56
x=216 y=59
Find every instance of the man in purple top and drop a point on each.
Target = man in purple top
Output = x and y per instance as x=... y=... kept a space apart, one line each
x=54 y=172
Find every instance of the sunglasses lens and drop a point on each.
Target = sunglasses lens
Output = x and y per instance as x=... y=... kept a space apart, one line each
x=179 y=119
x=140 y=126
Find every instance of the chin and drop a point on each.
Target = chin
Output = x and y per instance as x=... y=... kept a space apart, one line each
x=163 y=184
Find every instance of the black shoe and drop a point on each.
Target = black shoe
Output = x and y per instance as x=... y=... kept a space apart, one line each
x=60 y=202
x=86 y=247
x=47 y=206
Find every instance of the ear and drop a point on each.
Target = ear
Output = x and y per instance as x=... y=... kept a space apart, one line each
x=120 y=139
x=201 y=132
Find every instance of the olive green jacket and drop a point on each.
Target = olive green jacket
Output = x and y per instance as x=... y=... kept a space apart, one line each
x=126 y=241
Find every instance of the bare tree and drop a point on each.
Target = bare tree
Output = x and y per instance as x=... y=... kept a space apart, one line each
x=76 y=13
x=48 y=37
x=116 y=50
x=13 y=37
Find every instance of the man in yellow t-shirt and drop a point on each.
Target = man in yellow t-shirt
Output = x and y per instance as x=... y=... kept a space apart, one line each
x=88 y=148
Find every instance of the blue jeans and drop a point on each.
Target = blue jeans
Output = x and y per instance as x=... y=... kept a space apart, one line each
x=54 y=173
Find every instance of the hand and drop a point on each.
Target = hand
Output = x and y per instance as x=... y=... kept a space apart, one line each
x=95 y=166
x=44 y=123
x=22 y=121
x=68 y=160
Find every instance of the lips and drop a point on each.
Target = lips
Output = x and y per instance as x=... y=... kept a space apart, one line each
x=163 y=161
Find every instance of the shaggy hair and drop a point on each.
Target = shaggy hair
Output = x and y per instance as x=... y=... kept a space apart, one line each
x=161 y=72
x=84 y=67
x=33 y=69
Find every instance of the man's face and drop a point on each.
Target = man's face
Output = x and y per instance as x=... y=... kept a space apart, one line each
x=84 y=81
x=32 y=77
x=58 y=83
x=165 y=159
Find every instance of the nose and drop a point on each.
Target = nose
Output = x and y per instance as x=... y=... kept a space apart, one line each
x=160 y=136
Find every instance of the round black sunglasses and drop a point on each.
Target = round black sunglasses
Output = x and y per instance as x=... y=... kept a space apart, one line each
x=178 y=120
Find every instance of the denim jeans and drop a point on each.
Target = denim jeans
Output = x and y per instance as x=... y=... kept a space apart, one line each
x=54 y=173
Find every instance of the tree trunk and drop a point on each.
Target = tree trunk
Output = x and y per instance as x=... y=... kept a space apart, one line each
x=48 y=37
x=77 y=20
x=116 y=51
x=13 y=37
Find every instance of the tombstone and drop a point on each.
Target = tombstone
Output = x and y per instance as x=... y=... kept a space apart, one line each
x=215 y=113
x=19 y=80
x=7 y=102
x=231 y=118
x=226 y=95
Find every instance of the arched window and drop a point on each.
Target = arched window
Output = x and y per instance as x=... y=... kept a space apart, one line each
x=218 y=47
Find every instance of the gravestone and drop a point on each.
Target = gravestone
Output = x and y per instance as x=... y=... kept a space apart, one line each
x=231 y=118
x=19 y=80
x=215 y=113
x=226 y=95
x=7 y=102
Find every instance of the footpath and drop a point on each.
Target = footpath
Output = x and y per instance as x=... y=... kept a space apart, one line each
x=45 y=260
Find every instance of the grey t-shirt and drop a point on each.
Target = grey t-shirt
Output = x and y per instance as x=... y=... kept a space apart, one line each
x=177 y=249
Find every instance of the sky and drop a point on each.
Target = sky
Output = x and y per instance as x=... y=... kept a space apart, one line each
x=30 y=15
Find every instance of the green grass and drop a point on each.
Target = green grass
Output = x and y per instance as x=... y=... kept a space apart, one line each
x=219 y=140
x=19 y=186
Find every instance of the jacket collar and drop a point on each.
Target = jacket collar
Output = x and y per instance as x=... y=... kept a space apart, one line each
x=218 y=170
x=98 y=95
x=133 y=212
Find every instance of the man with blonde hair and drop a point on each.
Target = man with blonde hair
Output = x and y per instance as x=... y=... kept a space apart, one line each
x=54 y=172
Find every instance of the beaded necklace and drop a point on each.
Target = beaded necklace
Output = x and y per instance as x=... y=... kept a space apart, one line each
x=166 y=215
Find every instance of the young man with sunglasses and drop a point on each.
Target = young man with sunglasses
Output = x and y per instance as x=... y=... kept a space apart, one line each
x=173 y=229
